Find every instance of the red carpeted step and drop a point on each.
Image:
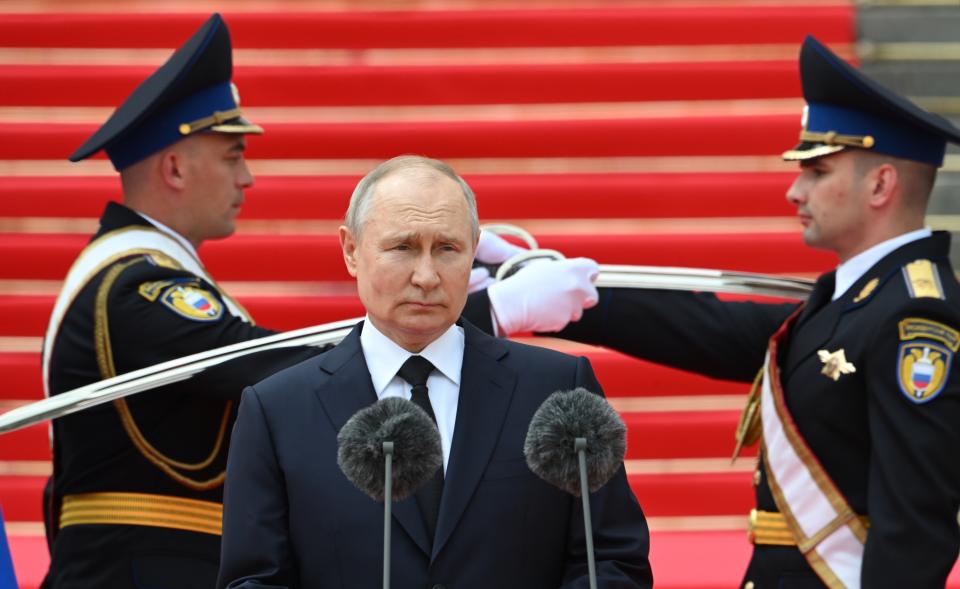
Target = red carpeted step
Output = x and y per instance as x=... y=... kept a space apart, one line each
x=687 y=434
x=24 y=316
x=312 y=258
x=21 y=376
x=621 y=376
x=508 y=196
x=31 y=557
x=647 y=25
x=675 y=136
x=699 y=559
x=42 y=85
x=31 y=443
x=693 y=494
x=22 y=497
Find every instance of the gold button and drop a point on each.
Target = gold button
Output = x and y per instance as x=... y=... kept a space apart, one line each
x=756 y=478
x=748 y=585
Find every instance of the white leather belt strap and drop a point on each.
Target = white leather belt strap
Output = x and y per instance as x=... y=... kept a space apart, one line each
x=826 y=529
x=106 y=250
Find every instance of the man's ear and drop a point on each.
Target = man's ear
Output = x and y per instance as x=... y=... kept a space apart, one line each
x=171 y=169
x=882 y=182
x=349 y=246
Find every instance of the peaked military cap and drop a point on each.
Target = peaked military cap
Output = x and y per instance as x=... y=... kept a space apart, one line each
x=190 y=93
x=845 y=109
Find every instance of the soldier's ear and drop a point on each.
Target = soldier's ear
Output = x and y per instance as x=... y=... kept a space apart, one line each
x=348 y=244
x=171 y=169
x=881 y=183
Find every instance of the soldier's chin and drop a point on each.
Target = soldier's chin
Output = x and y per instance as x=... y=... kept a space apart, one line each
x=811 y=237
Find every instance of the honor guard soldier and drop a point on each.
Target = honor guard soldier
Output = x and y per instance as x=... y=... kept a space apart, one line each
x=135 y=496
x=135 y=499
x=857 y=402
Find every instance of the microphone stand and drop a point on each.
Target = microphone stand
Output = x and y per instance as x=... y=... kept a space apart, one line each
x=387 y=509
x=580 y=446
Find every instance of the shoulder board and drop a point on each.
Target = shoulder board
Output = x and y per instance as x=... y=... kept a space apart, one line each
x=923 y=280
x=163 y=260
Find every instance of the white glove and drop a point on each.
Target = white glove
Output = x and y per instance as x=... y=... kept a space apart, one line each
x=544 y=296
x=494 y=249
x=479 y=279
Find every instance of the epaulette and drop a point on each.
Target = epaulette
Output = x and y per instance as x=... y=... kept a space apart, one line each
x=163 y=260
x=923 y=280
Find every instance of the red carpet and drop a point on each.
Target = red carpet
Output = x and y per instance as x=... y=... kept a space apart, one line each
x=680 y=136
x=503 y=196
x=559 y=27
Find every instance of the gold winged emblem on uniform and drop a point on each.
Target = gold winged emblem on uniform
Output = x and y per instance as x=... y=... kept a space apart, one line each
x=835 y=364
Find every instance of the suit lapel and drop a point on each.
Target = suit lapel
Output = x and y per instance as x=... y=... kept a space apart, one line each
x=486 y=389
x=348 y=389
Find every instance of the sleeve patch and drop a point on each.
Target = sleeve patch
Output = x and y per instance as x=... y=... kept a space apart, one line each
x=913 y=328
x=923 y=280
x=192 y=302
x=923 y=368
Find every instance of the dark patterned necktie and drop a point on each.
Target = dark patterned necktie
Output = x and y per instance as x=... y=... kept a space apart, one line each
x=415 y=371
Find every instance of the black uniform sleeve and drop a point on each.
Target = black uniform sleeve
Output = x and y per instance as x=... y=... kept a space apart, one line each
x=914 y=477
x=692 y=331
x=149 y=323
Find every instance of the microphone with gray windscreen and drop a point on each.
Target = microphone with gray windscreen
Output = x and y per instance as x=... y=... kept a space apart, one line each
x=389 y=450
x=576 y=441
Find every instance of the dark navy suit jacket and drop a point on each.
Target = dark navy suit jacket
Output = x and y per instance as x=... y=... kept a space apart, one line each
x=292 y=519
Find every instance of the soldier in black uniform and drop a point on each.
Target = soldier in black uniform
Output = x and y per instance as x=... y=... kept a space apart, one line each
x=135 y=499
x=859 y=481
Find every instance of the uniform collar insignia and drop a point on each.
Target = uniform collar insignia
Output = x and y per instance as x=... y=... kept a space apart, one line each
x=835 y=364
x=867 y=290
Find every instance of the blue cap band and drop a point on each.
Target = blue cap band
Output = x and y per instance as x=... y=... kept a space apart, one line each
x=163 y=129
x=890 y=136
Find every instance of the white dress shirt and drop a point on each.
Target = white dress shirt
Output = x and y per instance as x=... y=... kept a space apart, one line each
x=850 y=271
x=180 y=239
x=384 y=358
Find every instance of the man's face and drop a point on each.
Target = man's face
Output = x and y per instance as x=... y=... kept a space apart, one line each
x=215 y=176
x=831 y=199
x=413 y=256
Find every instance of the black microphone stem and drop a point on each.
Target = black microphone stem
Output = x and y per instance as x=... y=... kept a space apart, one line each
x=387 y=509
x=580 y=446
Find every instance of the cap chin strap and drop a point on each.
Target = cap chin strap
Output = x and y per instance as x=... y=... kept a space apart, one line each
x=834 y=138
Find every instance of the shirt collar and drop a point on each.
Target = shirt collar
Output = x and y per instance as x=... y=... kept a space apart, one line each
x=850 y=271
x=180 y=239
x=384 y=357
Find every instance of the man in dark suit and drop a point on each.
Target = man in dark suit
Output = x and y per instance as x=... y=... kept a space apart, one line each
x=858 y=482
x=135 y=496
x=292 y=519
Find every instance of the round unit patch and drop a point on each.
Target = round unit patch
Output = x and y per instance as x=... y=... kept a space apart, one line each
x=192 y=302
x=922 y=369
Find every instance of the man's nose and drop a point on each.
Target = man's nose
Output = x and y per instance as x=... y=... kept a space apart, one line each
x=245 y=177
x=425 y=273
x=796 y=194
